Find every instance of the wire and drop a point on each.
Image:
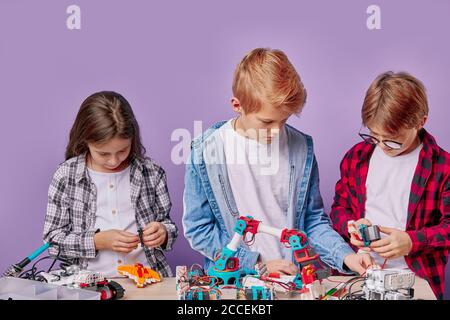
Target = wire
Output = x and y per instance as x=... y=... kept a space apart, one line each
x=33 y=274
x=350 y=294
x=346 y=284
x=335 y=281
x=384 y=263
x=199 y=267
x=289 y=286
x=250 y=241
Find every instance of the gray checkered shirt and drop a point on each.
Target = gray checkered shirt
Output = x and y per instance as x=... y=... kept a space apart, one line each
x=72 y=201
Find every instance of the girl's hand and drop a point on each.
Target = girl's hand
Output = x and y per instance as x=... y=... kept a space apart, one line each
x=396 y=244
x=116 y=240
x=154 y=234
x=281 y=266
x=356 y=242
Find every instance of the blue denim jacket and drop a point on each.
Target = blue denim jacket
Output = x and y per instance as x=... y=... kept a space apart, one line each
x=210 y=211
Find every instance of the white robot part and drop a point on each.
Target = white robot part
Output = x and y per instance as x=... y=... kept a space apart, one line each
x=235 y=241
x=383 y=284
x=270 y=230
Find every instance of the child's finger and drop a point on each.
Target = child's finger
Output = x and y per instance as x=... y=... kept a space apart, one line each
x=129 y=239
x=386 y=230
x=123 y=250
x=127 y=244
x=356 y=242
x=388 y=255
x=153 y=243
x=285 y=270
x=150 y=229
x=288 y=267
x=128 y=235
x=380 y=243
x=358 y=268
x=367 y=260
x=364 y=221
x=291 y=268
x=152 y=237
x=384 y=249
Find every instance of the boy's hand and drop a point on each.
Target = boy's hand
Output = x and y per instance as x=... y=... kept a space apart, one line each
x=358 y=262
x=356 y=242
x=396 y=244
x=281 y=266
x=154 y=234
x=116 y=240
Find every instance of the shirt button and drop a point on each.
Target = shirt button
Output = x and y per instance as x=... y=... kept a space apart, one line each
x=114 y=211
x=119 y=261
x=111 y=186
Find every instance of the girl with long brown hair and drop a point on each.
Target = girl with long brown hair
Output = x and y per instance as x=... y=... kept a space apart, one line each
x=108 y=204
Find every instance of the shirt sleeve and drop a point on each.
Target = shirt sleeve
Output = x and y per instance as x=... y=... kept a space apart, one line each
x=436 y=237
x=342 y=209
x=58 y=226
x=162 y=208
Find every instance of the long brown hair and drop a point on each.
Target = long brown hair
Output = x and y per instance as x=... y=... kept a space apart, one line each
x=103 y=116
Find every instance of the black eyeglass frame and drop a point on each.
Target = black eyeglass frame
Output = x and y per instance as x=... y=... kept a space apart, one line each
x=370 y=139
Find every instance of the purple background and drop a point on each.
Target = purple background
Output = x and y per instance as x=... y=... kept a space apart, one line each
x=173 y=60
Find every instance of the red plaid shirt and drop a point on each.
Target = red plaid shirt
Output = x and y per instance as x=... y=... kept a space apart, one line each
x=428 y=222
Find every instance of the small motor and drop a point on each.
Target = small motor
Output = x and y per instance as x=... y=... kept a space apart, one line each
x=369 y=234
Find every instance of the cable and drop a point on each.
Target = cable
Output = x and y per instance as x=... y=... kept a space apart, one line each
x=347 y=283
x=33 y=274
x=350 y=293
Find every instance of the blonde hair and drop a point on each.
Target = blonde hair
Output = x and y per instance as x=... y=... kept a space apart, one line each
x=267 y=76
x=395 y=101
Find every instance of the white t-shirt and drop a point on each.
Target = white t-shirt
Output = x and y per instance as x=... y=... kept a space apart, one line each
x=114 y=211
x=259 y=179
x=388 y=187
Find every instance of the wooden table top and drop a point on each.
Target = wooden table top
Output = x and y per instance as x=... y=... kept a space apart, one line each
x=165 y=290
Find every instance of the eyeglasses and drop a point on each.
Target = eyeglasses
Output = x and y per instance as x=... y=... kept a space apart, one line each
x=388 y=143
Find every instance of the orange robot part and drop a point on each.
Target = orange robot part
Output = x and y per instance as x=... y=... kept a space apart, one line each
x=140 y=274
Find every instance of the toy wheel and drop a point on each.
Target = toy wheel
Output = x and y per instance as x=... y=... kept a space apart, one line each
x=116 y=289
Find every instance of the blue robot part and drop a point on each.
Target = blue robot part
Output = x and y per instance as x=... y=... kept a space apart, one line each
x=258 y=293
x=226 y=254
x=227 y=277
x=41 y=249
x=240 y=226
x=298 y=282
x=295 y=243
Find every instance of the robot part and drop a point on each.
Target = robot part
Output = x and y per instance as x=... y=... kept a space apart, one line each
x=258 y=293
x=201 y=294
x=389 y=284
x=226 y=264
x=140 y=274
x=73 y=277
x=194 y=285
x=369 y=234
x=364 y=233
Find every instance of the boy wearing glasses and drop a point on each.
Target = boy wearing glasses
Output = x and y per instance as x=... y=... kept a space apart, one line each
x=398 y=179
